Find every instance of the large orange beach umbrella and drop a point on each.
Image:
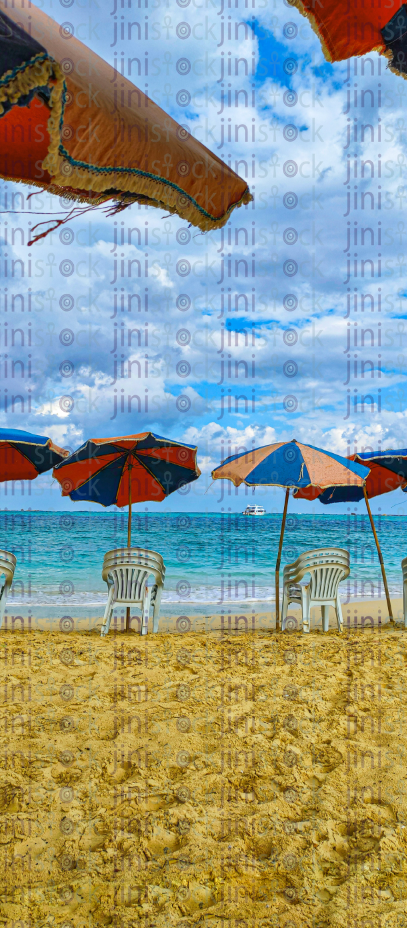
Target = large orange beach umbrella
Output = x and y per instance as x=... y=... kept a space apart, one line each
x=348 y=28
x=69 y=123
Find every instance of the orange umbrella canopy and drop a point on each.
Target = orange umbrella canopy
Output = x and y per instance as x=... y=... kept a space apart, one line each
x=69 y=123
x=347 y=29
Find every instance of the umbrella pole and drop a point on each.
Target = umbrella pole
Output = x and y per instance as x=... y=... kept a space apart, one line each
x=277 y=574
x=129 y=545
x=380 y=554
x=129 y=520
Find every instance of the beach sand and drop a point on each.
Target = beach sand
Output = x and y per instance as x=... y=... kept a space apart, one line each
x=227 y=779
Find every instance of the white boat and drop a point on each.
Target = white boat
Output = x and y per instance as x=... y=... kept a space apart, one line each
x=254 y=511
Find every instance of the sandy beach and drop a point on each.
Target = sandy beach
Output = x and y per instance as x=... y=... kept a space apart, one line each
x=243 y=779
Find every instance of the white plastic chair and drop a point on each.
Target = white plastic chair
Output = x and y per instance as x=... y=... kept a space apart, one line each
x=404 y=569
x=8 y=563
x=327 y=566
x=126 y=571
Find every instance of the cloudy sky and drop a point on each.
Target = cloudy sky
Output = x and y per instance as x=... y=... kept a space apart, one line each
x=296 y=358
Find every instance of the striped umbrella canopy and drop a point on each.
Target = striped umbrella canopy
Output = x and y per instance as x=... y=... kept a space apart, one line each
x=388 y=471
x=23 y=455
x=133 y=468
x=291 y=465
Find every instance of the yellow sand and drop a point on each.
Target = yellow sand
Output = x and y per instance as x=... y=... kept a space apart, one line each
x=203 y=779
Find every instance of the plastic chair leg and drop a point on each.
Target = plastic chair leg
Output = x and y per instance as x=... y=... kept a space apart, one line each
x=325 y=618
x=339 y=615
x=156 y=619
x=108 y=614
x=146 y=612
x=3 y=600
x=306 y=612
x=157 y=606
x=284 y=609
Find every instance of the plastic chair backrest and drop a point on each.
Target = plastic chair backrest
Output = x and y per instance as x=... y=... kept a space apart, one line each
x=129 y=568
x=8 y=563
x=327 y=566
x=325 y=580
x=133 y=556
x=404 y=568
x=130 y=582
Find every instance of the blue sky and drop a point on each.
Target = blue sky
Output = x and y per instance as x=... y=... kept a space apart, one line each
x=288 y=351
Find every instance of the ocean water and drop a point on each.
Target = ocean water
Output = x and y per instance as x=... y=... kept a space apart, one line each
x=211 y=559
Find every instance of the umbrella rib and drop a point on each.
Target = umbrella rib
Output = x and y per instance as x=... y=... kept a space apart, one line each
x=22 y=452
x=142 y=464
x=152 y=474
x=147 y=452
x=96 y=456
x=170 y=442
x=99 y=471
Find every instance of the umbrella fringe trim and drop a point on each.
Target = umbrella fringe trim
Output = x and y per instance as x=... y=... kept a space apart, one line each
x=389 y=54
x=315 y=26
x=237 y=483
x=59 y=191
x=140 y=183
x=37 y=72
x=323 y=34
x=42 y=71
x=65 y=170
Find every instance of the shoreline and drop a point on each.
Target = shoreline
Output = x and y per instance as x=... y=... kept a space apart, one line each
x=363 y=615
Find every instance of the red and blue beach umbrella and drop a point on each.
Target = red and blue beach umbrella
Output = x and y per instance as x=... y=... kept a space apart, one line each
x=291 y=465
x=133 y=468
x=388 y=471
x=23 y=456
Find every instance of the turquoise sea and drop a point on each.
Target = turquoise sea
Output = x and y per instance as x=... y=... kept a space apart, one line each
x=211 y=559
